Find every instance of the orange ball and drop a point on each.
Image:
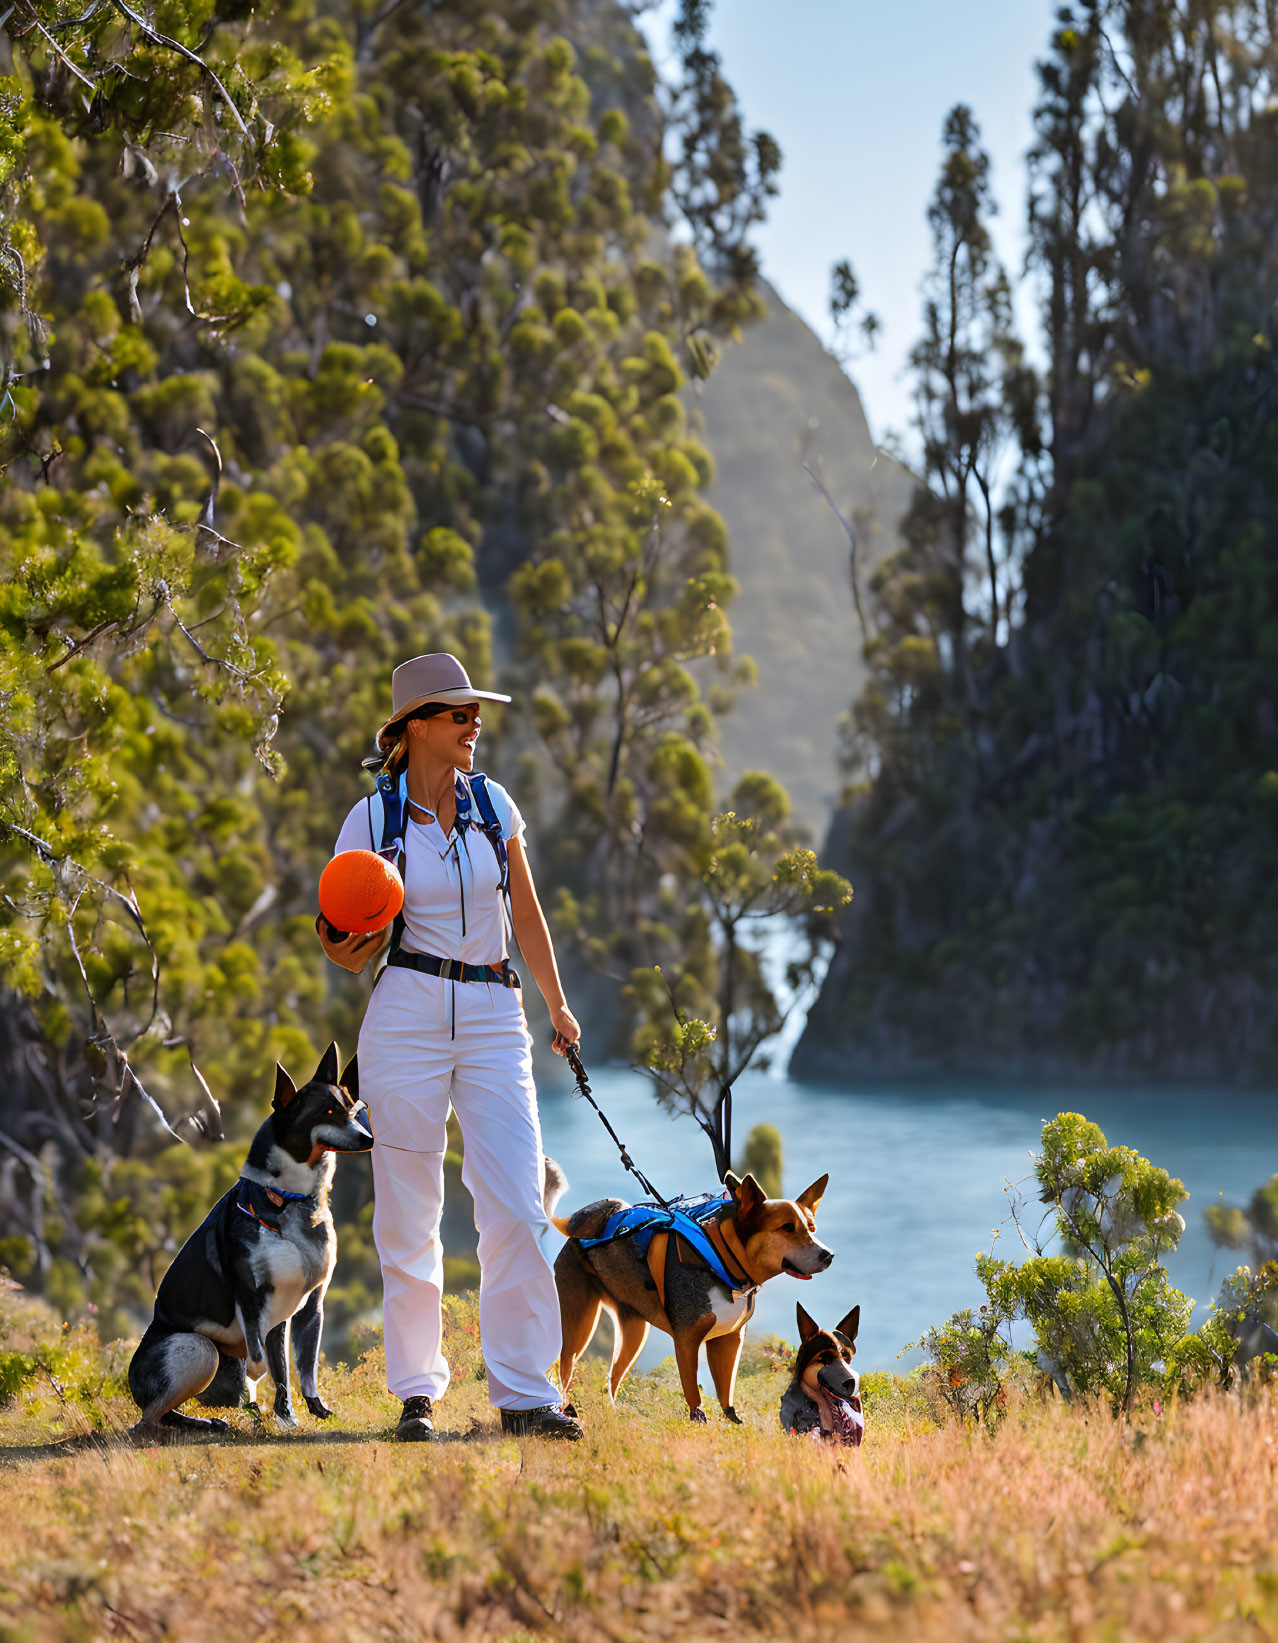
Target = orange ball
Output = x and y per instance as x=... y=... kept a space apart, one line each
x=360 y=891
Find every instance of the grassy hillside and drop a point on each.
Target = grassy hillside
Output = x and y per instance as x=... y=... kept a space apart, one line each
x=1064 y=1525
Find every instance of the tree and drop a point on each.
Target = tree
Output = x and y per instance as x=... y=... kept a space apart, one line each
x=613 y=620
x=845 y=299
x=1072 y=835
x=129 y=609
x=1246 y=1310
x=708 y=1008
x=721 y=178
x=289 y=431
x=969 y=1363
x=1104 y=1314
x=968 y=369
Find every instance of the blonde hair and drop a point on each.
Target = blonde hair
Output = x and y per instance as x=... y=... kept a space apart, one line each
x=389 y=762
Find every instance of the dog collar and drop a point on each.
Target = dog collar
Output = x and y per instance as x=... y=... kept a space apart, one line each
x=728 y=1242
x=275 y=1196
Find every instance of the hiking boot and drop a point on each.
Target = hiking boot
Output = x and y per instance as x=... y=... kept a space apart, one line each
x=547 y=1422
x=414 y=1422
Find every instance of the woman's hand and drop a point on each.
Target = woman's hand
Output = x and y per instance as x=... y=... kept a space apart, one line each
x=352 y=952
x=566 y=1029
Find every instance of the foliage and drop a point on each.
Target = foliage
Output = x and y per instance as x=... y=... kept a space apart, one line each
x=1105 y=1317
x=721 y=177
x=1245 y=1315
x=762 y=1157
x=969 y=1361
x=707 y=1008
x=1254 y=1229
x=68 y=1365
x=329 y=332
x=1062 y=763
x=845 y=298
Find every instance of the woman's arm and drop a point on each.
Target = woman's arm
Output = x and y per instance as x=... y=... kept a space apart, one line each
x=533 y=936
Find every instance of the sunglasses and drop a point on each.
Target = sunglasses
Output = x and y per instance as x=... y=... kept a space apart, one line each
x=460 y=715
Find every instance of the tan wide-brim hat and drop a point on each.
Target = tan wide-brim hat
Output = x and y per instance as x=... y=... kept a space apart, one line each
x=426 y=679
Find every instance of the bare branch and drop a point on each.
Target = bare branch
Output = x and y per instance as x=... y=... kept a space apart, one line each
x=191 y=57
x=217 y=661
x=51 y=858
x=61 y=55
x=133 y=269
x=207 y=319
x=103 y=626
x=105 y=1040
x=850 y=532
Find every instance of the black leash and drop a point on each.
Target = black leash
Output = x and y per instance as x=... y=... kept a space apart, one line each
x=573 y=1058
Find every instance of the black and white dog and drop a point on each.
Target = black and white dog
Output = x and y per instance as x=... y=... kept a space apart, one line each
x=259 y=1263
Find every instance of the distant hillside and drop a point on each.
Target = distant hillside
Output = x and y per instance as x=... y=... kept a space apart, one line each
x=794 y=614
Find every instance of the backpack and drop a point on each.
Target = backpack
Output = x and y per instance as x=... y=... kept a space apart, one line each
x=393 y=792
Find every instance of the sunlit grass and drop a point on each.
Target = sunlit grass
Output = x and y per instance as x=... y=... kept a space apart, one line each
x=1064 y=1525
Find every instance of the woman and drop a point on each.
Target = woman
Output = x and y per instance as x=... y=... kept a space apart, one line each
x=446 y=1023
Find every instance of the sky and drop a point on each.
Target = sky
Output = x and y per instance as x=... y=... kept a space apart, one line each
x=856 y=92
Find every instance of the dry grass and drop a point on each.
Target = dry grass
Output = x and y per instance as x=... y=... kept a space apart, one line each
x=1066 y=1525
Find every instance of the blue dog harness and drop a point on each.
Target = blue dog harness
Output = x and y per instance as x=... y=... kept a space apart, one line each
x=683 y=1219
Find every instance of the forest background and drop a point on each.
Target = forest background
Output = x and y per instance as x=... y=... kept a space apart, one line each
x=334 y=333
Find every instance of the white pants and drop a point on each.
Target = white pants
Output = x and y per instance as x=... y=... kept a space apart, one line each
x=424 y=1043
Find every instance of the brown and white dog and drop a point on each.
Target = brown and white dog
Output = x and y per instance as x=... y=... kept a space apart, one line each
x=671 y=1286
x=823 y=1399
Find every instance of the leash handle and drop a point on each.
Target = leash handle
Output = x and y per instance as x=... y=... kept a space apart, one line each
x=573 y=1057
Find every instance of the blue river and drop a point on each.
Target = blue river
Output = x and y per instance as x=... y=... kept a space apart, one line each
x=917 y=1174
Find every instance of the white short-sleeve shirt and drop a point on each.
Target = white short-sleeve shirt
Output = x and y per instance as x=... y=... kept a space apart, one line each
x=453 y=907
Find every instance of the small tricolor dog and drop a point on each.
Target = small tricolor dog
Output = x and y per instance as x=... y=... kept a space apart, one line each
x=692 y=1268
x=823 y=1399
x=258 y=1264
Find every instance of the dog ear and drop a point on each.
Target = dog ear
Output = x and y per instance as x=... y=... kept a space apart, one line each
x=813 y=1195
x=732 y=1181
x=750 y=1198
x=849 y=1326
x=350 y=1077
x=808 y=1327
x=326 y=1072
x=285 y=1089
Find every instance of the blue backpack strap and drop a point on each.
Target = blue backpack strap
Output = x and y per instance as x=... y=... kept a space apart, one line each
x=489 y=822
x=391 y=790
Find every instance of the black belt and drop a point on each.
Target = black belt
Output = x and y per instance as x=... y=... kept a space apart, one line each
x=452 y=969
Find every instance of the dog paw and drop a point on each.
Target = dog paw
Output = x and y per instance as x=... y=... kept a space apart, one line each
x=730 y=1413
x=318 y=1408
x=698 y=1417
x=286 y=1417
x=217 y=1424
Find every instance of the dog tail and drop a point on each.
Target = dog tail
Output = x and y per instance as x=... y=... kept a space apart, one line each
x=554 y=1184
x=589 y=1221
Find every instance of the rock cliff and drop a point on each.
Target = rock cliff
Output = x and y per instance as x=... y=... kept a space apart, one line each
x=777 y=398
